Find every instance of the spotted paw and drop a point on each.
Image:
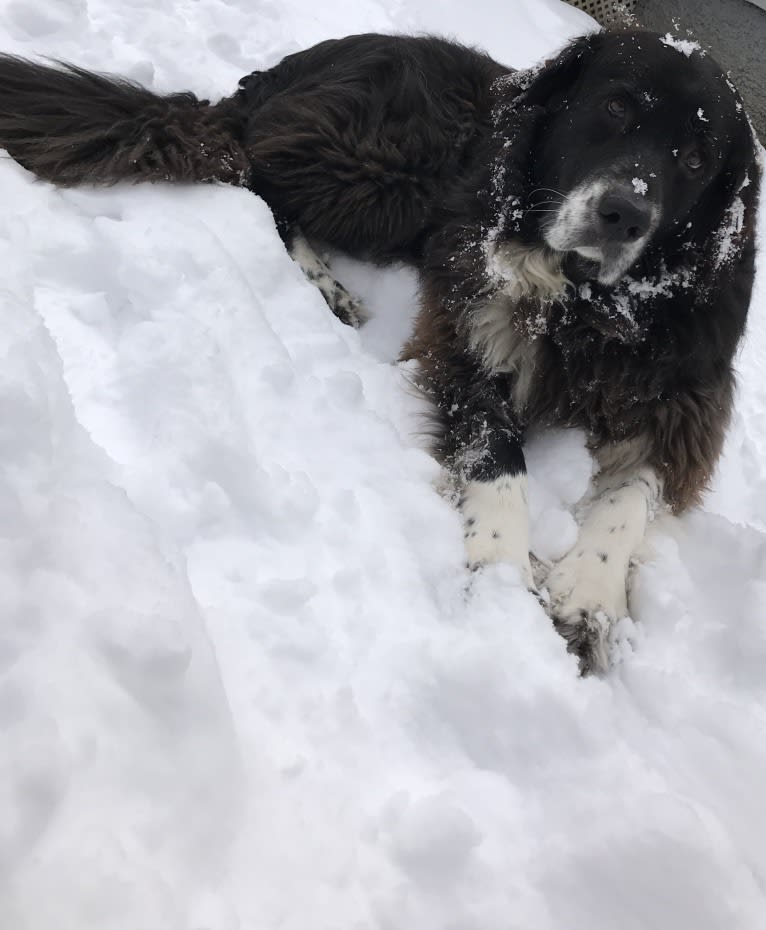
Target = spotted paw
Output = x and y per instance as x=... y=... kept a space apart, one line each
x=348 y=309
x=587 y=597
x=497 y=525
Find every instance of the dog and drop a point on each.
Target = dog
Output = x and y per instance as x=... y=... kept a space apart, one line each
x=584 y=233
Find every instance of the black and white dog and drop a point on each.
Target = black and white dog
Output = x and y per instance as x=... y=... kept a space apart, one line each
x=584 y=232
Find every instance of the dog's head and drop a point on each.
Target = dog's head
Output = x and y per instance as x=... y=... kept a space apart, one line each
x=640 y=142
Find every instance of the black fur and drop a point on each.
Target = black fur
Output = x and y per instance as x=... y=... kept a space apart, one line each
x=650 y=356
x=359 y=139
x=424 y=150
x=71 y=126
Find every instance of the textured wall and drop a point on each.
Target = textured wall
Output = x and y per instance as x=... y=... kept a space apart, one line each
x=734 y=31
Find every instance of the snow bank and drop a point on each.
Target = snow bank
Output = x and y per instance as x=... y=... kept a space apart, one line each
x=244 y=680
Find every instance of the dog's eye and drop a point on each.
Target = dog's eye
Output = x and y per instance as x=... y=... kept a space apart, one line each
x=616 y=107
x=694 y=160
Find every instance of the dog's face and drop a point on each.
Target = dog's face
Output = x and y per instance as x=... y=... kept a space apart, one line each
x=641 y=142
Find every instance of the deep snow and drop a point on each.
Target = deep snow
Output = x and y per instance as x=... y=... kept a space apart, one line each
x=245 y=683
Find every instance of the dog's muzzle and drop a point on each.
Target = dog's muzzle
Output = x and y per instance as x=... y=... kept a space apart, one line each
x=607 y=222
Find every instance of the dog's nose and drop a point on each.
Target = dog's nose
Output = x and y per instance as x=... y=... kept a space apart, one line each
x=623 y=219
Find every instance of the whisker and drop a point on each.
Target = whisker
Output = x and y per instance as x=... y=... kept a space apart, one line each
x=552 y=190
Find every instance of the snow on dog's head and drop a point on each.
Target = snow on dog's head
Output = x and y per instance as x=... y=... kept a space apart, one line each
x=639 y=148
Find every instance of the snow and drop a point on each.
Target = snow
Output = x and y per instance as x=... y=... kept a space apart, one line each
x=640 y=186
x=727 y=234
x=684 y=46
x=244 y=679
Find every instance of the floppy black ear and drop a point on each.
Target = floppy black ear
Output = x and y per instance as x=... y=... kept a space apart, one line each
x=731 y=204
x=722 y=224
x=733 y=239
x=523 y=99
x=548 y=84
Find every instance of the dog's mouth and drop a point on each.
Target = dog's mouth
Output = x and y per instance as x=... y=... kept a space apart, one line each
x=607 y=223
x=608 y=265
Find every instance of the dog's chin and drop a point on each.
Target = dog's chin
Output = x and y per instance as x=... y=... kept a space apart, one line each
x=609 y=273
x=607 y=266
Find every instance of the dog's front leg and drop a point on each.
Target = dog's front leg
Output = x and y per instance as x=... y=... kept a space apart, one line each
x=494 y=499
x=478 y=435
x=588 y=586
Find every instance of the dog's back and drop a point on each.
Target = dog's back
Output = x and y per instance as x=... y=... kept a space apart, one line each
x=355 y=138
x=358 y=139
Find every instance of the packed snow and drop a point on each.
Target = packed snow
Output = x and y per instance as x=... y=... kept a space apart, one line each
x=640 y=186
x=245 y=683
x=685 y=46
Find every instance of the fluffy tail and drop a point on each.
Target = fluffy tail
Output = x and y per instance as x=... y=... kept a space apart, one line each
x=71 y=126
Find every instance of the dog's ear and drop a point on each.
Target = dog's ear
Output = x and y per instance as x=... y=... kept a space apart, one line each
x=734 y=235
x=731 y=202
x=549 y=84
x=523 y=100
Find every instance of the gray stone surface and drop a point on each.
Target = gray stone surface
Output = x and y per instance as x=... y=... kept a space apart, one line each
x=733 y=30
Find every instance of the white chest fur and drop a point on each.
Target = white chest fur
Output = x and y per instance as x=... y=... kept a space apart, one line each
x=502 y=347
x=517 y=271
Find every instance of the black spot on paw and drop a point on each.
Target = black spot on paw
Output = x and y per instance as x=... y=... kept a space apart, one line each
x=603 y=556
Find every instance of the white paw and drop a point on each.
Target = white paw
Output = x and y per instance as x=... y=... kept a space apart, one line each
x=587 y=597
x=497 y=524
x=348 y=309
